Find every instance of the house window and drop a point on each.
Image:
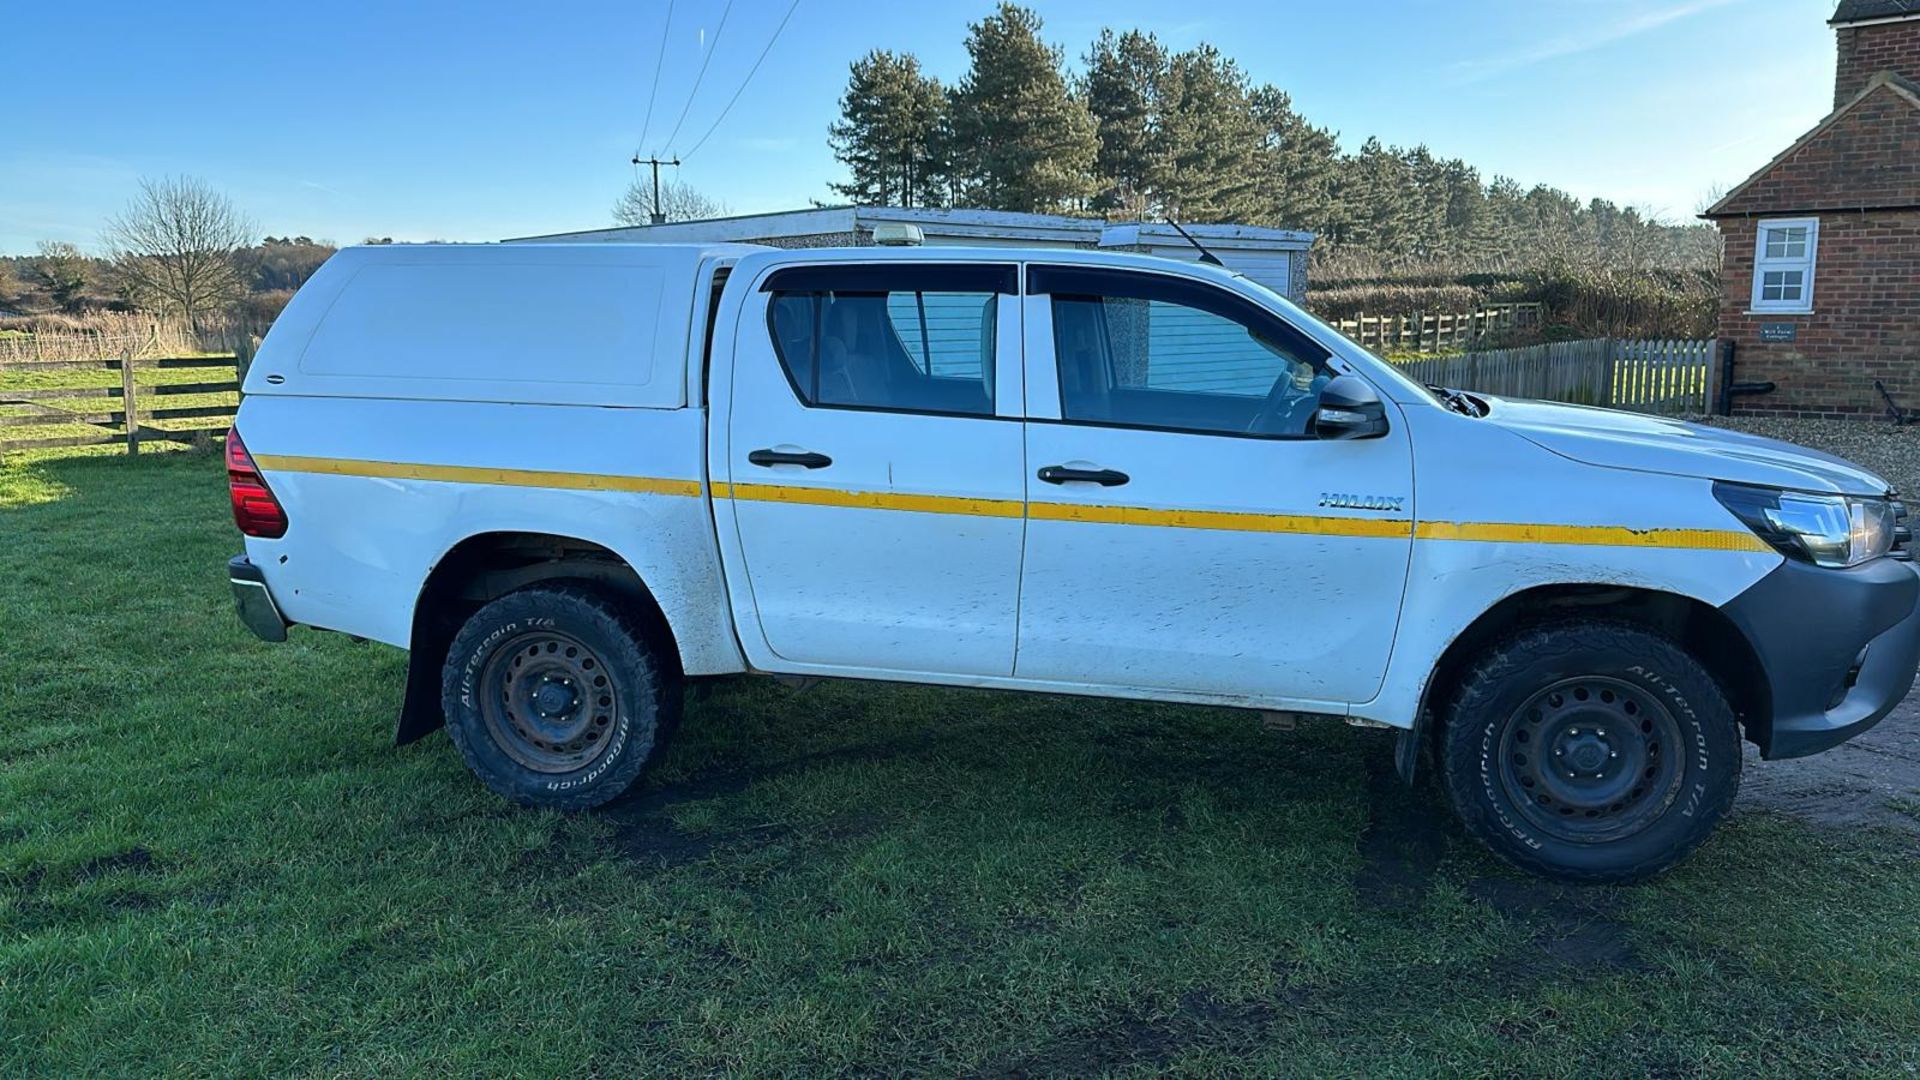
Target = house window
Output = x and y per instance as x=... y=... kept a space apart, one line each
x=1783 y=265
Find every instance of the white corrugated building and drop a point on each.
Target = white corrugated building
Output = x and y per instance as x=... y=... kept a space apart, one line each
x=1277 y=258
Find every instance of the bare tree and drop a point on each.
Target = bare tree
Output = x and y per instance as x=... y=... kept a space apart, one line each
x=679 y=202
x=1704 y=245
x=177 y=246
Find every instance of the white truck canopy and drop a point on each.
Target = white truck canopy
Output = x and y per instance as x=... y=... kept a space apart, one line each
x=559 y=324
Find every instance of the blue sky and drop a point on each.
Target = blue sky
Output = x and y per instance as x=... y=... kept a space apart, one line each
x=476 y=121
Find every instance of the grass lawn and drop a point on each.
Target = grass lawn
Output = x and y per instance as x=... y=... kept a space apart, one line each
x=213 y=862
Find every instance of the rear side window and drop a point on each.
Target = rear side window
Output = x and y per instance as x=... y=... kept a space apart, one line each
x=902 y=339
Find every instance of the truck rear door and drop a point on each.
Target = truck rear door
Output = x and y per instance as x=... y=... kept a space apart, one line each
x=869 y=471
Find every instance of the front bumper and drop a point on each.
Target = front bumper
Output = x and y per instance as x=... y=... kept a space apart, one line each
x=1838 y=650
x=254 y=602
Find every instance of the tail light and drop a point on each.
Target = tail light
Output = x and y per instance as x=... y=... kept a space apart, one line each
x=255 y=509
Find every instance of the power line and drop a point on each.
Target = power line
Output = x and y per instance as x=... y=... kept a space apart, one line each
x=659 y=61
x=712 y=47
x=743 y=83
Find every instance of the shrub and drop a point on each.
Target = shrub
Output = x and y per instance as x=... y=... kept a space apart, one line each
x=1579 y=303
x=1390 y=298
x=261 y=308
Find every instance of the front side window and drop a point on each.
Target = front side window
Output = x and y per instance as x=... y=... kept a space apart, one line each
x=1783 y=265
x=913 y=339
x=1142 y=351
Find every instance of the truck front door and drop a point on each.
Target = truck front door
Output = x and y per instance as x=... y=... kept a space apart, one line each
x=1185 y=531
x=871 y=468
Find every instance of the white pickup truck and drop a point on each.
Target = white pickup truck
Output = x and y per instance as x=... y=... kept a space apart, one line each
x=568 y=477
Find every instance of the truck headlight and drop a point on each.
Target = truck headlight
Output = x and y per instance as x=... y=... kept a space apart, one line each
x=1826 y=530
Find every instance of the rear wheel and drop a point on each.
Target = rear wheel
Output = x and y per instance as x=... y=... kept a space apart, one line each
x=555 y=697
x=1596 y=751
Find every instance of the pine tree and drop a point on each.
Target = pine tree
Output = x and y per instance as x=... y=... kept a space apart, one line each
x=1029 y=141
x=1121 y=89
x=1145 y=132
x=1464 y=202
x=1380 y=195
x=1426 y=204
x=1299 y=165
x=890 y=135
x=1552 y=234
x=1213 y=141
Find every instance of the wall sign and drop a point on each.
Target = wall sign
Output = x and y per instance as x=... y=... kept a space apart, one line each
x=1779 y=331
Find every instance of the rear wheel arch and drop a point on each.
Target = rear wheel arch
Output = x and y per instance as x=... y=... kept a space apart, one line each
x=486 y=566
x=1701 y=629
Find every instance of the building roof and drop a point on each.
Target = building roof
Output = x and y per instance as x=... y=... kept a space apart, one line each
x=986 y=225
x=1872 y=178
x=1857 y=11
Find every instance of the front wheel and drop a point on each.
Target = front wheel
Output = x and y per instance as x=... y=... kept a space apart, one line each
x=1595 y=752
x=556 y=698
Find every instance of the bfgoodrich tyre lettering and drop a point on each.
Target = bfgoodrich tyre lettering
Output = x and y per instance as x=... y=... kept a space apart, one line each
x=1594 y=751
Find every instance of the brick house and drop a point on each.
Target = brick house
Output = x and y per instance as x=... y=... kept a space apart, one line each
x=1821 y=278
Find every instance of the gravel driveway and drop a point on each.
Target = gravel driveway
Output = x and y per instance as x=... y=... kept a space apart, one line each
x=1893 y=452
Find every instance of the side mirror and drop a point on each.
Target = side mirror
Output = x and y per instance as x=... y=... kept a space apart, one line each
x=1349 y=409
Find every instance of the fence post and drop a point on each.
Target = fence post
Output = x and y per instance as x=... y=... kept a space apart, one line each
x=129 y=405
x=243 y=350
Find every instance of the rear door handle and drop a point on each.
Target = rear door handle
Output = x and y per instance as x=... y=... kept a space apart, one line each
x=804 y=458
x=1060 y=474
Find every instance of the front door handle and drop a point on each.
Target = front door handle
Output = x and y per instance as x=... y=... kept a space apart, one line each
x=804 y=458
x=1060 y=474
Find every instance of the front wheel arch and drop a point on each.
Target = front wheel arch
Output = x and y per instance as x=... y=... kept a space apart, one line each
x=1701 y=629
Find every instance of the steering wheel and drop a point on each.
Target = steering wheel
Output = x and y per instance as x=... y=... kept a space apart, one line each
x=1282 y=403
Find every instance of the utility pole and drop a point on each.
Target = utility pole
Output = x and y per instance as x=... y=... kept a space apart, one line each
x=659 y=216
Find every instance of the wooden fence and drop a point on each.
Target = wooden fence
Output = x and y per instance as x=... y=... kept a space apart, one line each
x=1644 y=376
x=1435 y=333
x=118 y=415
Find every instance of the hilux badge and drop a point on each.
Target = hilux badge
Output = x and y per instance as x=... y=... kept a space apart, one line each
x=1361 y=502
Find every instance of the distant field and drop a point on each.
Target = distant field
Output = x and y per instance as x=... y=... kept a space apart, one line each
x=212 y=862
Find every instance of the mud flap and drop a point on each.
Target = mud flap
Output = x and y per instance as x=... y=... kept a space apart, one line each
x=421 y=711
x=1406 y=749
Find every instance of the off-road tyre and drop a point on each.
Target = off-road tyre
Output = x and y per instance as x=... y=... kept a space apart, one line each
x=1593 y=751
x=557 y=697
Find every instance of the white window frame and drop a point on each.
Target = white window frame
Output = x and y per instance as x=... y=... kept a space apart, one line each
x=1762 y=264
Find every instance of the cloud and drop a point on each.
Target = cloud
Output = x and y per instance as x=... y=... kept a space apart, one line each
x=1487 y=67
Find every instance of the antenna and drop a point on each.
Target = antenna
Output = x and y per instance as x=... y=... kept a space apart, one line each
x=1205 y=255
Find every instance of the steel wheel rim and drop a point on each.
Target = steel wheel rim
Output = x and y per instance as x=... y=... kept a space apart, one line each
x=1590 y=759
x=548 y=702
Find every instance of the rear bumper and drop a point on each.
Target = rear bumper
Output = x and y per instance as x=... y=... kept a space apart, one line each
x=1838 y=649
x=254 y=602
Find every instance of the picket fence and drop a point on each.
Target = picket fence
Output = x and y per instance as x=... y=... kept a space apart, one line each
x=1668 y=377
